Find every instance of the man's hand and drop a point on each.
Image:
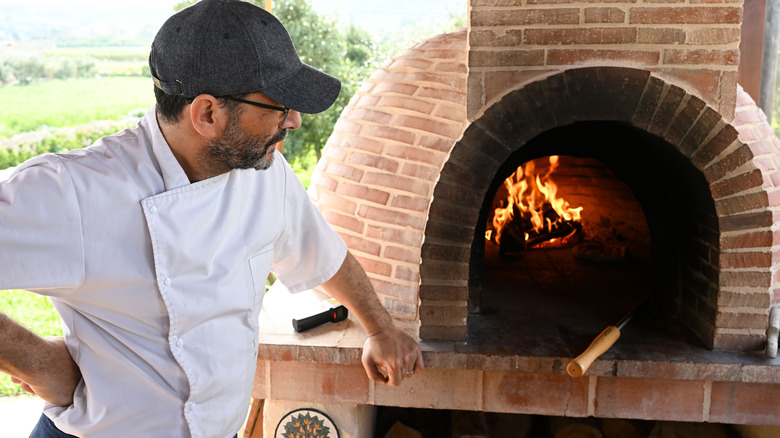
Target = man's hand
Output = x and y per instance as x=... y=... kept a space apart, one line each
x=391 y=356
x=56 y=378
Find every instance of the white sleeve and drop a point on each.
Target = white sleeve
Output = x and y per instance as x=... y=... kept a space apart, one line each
x=41 y=245
x=308 y=252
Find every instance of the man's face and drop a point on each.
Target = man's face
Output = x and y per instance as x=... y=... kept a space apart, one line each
x=249 y=137
x=238 y=149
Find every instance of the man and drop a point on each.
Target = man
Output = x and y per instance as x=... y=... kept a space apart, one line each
x=154 y=244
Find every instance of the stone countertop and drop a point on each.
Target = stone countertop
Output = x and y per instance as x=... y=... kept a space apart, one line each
x=632 y=356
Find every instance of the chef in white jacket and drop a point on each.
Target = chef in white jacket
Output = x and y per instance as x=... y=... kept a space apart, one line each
x=154 y=244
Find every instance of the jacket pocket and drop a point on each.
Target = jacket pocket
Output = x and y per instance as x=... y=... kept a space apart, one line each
x=259 y=267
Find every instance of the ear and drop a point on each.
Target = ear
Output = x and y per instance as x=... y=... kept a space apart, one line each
x=208 y=117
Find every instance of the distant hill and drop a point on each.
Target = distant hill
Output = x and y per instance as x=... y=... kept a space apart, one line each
x=80 y=20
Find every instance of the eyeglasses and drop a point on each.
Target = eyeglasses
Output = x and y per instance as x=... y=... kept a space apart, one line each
x=283 y=109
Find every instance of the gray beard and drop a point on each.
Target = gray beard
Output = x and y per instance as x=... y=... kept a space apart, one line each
x=236 y=149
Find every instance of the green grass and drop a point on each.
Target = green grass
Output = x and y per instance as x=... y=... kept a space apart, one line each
x=32 y=311
x=68 y=103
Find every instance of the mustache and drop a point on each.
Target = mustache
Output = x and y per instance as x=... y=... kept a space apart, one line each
x=278 y=137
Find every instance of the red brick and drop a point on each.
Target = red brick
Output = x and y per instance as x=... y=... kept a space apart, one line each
x=389 y=288
x=727 y=298
x=506 y=58
x=402 y=254
x=362 y=193
x=332 y=383
x=415 y=154
x=660 y=36
x=404 y=273
x=746 y=260
x=489 y=38
x=524 y=17
x=403 y=236
x=394 y=88
x=367 y=115
x=741 y=320
x=375 y=266
x=706 y=83
x=450 y=96
x=580 y=36
x=622 y=397
x=389 y=133
x=374 y=161
x=451 y=67
x=444 y=292
x=577 y=56
x=432 y=387
x=713 y=35
x=604 y=15
x=412 y=203
x=427 y=173
x=340 y=170
x=686 y=15
x=361 y=245
x=541 y=394
x=745 y=403
x=407 y=103
x=400 y=309
x=406 y=63
x=736 y=158
x=451 y=113
x=733 y=279
x=390 y=217
x=411 y=185
x=756 y=239
x=319 y=179
x=738 y=340
x=737 y=184
x=328 y=199
x=259 y=390
x=444 y=314
x=428 y=125
x=362 y=143
x=437 y=270
x=741 y=203
x=347 y=222
x=720 y=57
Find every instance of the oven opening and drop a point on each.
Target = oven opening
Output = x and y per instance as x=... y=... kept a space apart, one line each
x=580 y=226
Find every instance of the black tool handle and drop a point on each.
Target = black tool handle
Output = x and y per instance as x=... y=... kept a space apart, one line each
x=335 y=314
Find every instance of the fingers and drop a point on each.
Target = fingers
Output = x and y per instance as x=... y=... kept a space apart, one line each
x=391 y=356
x=25 y=387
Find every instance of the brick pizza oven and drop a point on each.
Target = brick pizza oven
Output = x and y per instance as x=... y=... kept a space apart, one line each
x=670 y=159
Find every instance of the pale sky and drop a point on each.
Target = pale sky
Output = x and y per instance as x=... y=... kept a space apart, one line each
x=28 y=17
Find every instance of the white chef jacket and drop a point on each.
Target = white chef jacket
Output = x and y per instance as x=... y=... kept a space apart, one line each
x=159 y=282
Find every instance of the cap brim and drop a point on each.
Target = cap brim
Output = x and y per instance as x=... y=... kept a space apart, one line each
x=308 y=91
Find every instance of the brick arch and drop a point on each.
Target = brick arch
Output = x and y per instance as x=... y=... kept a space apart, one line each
x=741 y=187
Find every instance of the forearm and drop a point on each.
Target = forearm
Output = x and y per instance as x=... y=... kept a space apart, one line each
x=22 y=352
x=40 y=366
x=352 y=288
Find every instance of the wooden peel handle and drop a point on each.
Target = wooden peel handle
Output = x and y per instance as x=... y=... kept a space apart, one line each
x=578 y=366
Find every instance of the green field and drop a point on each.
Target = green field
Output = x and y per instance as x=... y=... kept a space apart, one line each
x=32 y=311
x=68 y=103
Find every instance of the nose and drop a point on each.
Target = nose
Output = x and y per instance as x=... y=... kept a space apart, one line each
x=293 y=121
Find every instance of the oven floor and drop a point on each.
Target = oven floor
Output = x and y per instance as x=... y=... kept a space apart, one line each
x=550 y=303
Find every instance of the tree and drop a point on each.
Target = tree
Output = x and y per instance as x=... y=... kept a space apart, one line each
x=349 y=54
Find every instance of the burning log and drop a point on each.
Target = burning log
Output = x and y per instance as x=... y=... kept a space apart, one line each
x=530 y=213
x=519 y=233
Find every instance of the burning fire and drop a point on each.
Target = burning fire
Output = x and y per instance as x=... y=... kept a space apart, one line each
x=532 y=212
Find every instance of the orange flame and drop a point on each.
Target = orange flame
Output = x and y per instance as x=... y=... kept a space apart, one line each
x=528 y=192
